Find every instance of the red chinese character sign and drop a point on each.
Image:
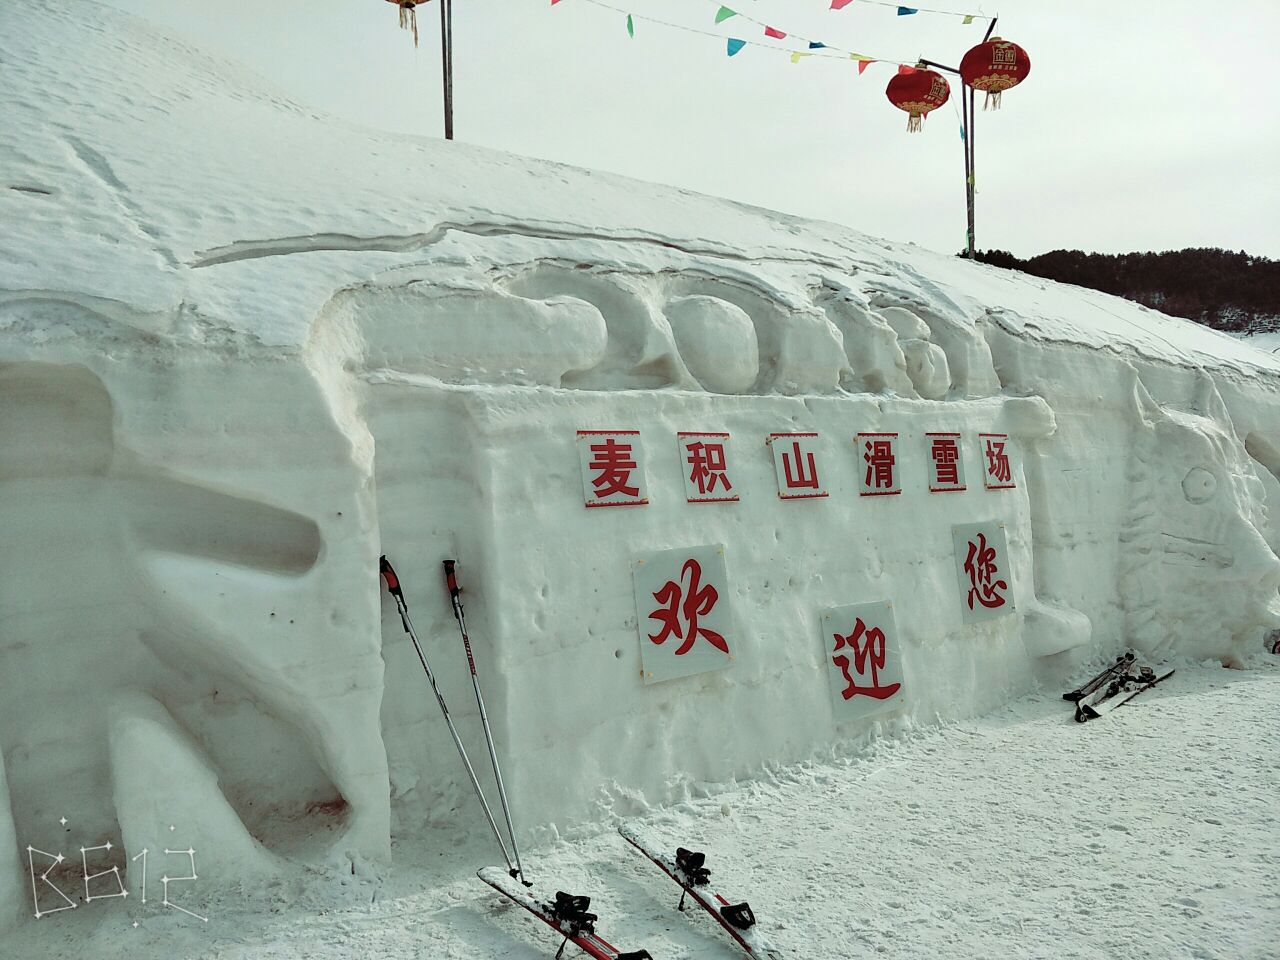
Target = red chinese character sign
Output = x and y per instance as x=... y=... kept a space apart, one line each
x=684 y=618
x=878 y=464
x=612 y=468
x=864 y=664
x=705 y=462
x=982 y=565
x=946 y=465
x=795 y=457
x=997 y=464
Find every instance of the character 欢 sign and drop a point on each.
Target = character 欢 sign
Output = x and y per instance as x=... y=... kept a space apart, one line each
x=863 y=659
x=683 y=613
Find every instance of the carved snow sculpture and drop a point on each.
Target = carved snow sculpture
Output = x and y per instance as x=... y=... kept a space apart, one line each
x=717 y=342
x=161 y=779
x=475 y=335
x=12 y=892
x=213 y=421
x=1197 y=574
x=875 y=357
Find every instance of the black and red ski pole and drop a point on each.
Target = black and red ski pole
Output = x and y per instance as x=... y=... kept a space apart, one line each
x=455 y=596
x=393 y=587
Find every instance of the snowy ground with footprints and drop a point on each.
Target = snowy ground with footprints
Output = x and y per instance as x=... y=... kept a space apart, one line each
x=1151 y=834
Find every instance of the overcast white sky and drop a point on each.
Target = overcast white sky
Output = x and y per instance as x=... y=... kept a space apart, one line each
x=1145 y=124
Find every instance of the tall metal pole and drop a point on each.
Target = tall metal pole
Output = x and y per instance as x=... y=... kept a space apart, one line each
x=966 y=93
x=968 y=172
x=455 y=597
x=446 y=64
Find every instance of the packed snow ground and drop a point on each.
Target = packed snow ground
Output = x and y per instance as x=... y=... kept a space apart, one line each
x=1148 y=834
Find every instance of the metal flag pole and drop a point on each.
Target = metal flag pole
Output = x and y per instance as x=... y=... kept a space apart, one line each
x=970 y=156
x=446 y=64
x=455 y=592
x=393 y=587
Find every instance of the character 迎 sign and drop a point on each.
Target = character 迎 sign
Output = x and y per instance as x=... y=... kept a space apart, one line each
x=997 y=469
x=683 y=614
x=946 y=466
x=878 y=476
x=863 y=659
x=795 y=457
x=706 y=467
x=982 y=566
x=612 y=468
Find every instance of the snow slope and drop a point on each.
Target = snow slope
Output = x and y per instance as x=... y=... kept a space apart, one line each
x=245 y=349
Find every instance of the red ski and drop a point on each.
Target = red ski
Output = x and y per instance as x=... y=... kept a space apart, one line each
x=687 y=868
x=567 y=915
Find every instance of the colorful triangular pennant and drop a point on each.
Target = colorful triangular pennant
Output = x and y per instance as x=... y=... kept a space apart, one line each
x=724 y=13
x=631 y=27
x=815 y=45
x=774 y=32
x=907 y=11
x=733 y=46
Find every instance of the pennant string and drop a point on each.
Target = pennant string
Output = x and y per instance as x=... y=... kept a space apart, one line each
x=813 y=48
x=968 y=17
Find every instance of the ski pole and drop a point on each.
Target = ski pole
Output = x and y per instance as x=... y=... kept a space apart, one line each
x=393 y=587
x=455 y=596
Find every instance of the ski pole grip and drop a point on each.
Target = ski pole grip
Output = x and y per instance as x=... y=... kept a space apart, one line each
x=389 y=575
x=451 y=579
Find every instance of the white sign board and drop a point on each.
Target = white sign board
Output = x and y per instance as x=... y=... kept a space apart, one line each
x=863 y=659
x=946 y=463
x=612 y=468
x=982 y=566
x=795 y=458
x=682 y=612
x=878 y=465
x=704 y=459
x=997 y=461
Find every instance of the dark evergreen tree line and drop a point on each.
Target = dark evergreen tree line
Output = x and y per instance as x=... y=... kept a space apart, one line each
x=1228 y=291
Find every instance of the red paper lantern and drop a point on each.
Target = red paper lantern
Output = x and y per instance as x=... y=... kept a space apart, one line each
x=917 y=91
x=409 y=15
x=993 y=67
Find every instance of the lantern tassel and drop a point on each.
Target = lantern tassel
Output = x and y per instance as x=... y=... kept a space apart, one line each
x=993 y=100
x=915 y=123
x=409 y=19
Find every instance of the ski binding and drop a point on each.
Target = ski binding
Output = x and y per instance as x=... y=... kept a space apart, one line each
x=566 y=914
x=688 y=869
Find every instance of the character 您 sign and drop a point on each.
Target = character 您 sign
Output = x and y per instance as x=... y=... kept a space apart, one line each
x=863 y=660
x=982 y=566
x=683 y=614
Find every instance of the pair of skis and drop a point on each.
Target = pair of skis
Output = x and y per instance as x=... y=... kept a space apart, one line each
x=1113 y=687
x=514 y=867
x=568 y=915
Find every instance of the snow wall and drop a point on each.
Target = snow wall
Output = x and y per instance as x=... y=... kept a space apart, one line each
x=245 y=350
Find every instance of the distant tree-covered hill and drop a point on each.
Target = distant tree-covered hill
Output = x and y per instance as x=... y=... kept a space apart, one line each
x=1233 y=292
